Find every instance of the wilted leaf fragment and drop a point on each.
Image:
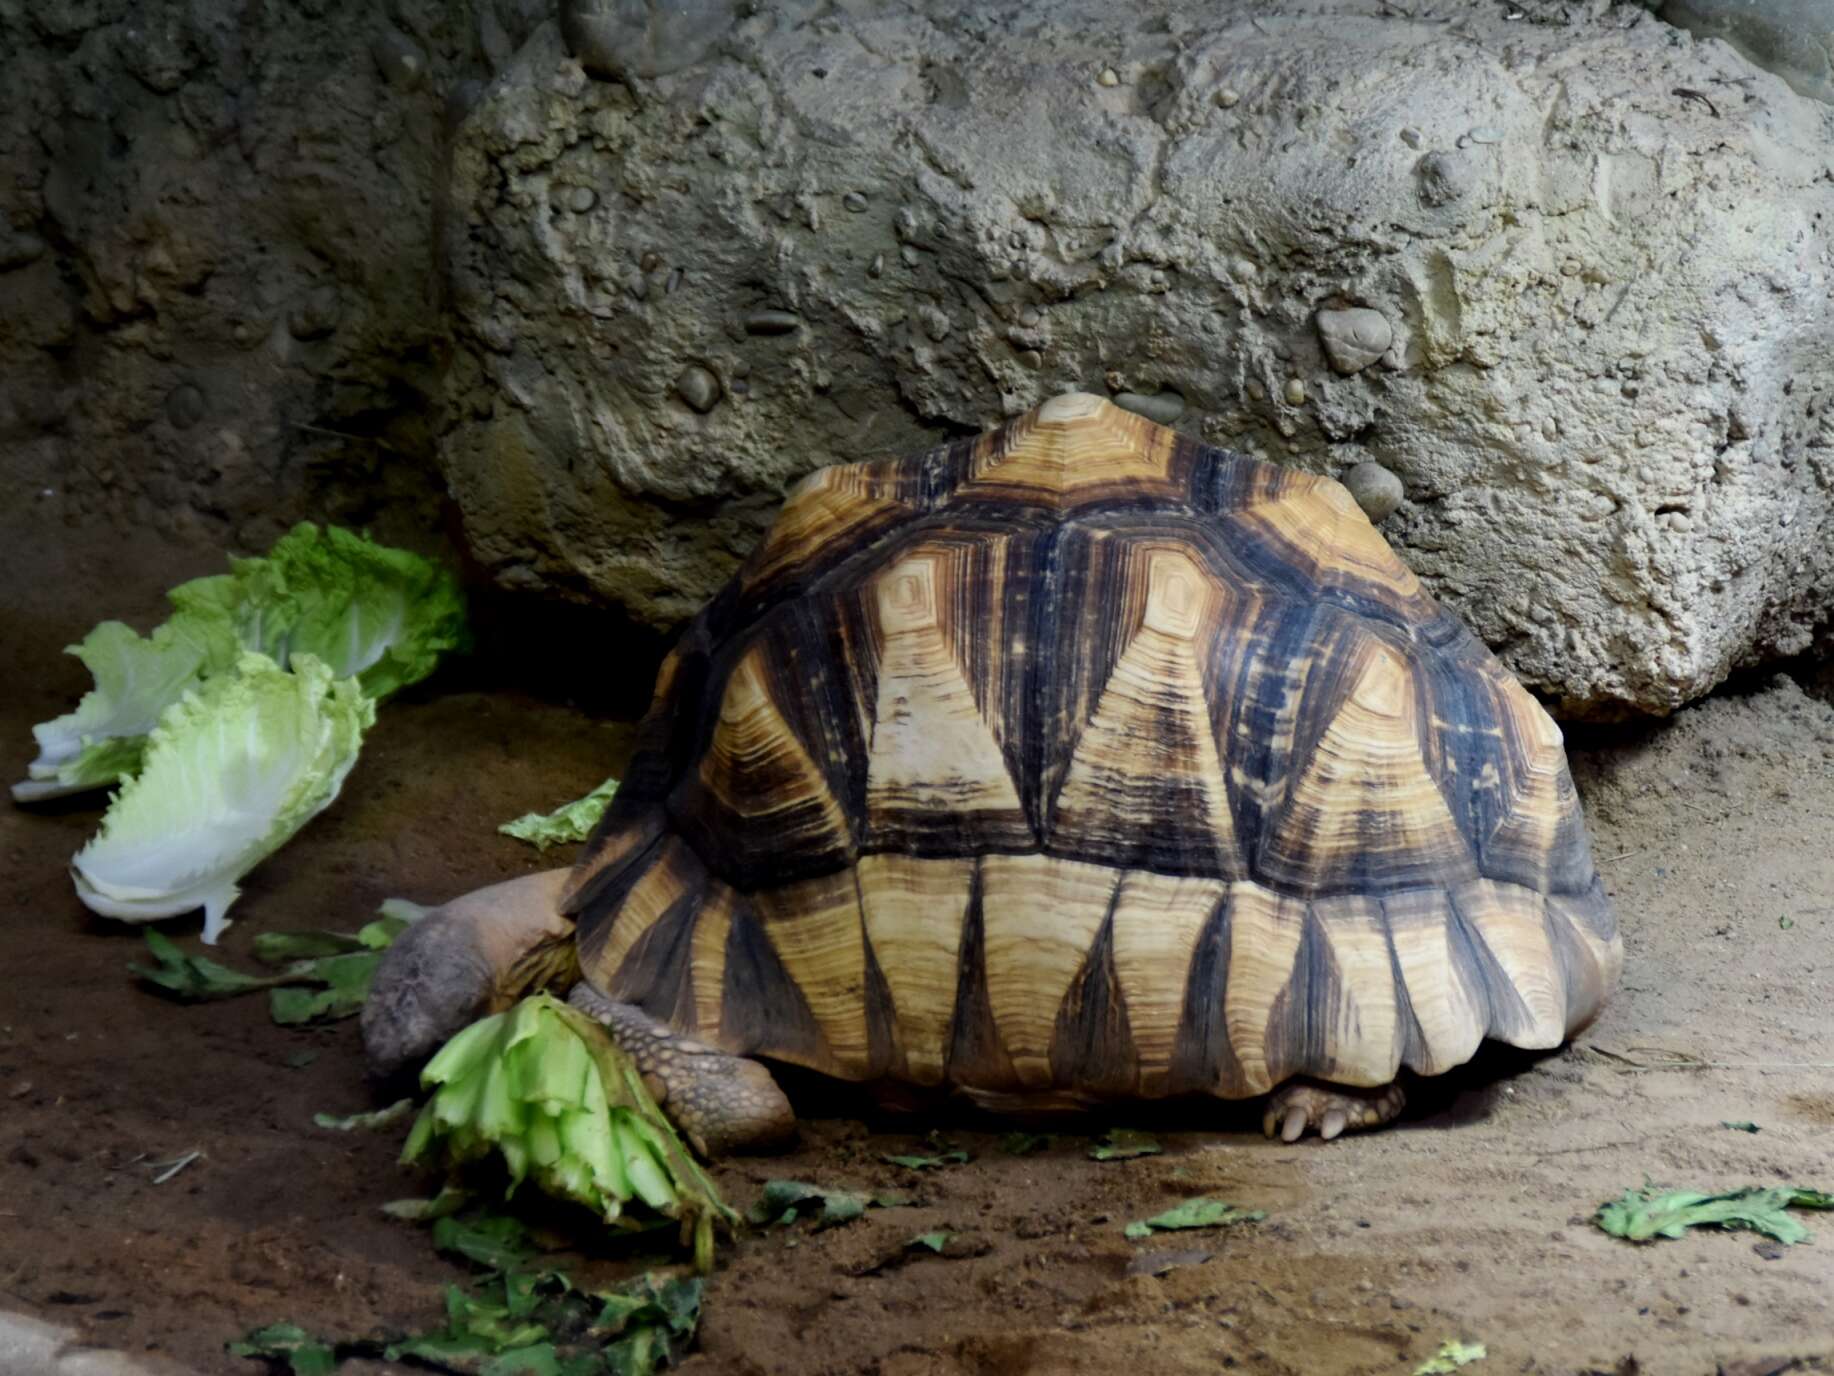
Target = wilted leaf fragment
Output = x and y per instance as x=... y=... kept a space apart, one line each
x=784 y=1201
x=1643 y=1215
x=1123 y=1144
x=931 y=1242
x=1194 y=1213
x=366 y=1122
x=1451 y=1356
x=344 y=964
x=955 y=1157
x=1741 y=1127
x=564 y=825
x=544 y=1086
x=303 y=1354
x=1025 y=1143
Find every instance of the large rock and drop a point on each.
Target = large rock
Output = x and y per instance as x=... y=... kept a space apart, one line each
x=1599 y=248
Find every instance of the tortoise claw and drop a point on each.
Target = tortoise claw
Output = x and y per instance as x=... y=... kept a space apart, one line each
x=1332 y=1109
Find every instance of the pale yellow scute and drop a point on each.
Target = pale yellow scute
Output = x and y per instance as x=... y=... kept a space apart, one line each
x=824 y=511
x=1329 y=532
x=915 y=910
x=1448 y=1011
x=1066 y=452
x=1509 y=921
x=1264 y=934
x=1599 y=962
x=1152 y=724
x=1040 y=917
x=1362 y=1027
x=1157 y=922
x=756 y=765
x=707 y=957
x=931 y=748
x=672 y=875
x=1530 y=826
x=1364 y=801
x=817 y=931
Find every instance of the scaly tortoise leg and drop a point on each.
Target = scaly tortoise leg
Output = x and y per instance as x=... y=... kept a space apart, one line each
x=476 y=955
x=722 y=1103
x=1332 y=1109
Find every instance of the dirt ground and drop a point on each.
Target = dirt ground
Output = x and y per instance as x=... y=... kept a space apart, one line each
x=1469 y=1219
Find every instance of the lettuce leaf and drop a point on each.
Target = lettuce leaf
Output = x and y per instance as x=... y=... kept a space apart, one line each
x=381 y=615
x=232 y=771
x=572 y=822
x=136 y=679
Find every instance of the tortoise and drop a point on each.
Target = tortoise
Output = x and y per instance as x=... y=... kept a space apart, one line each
x=1076 y=763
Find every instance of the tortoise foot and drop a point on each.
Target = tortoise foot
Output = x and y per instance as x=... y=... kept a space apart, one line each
x=1332 y=1109
x=721 y=1103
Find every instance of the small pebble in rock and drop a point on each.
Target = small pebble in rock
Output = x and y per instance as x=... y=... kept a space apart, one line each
x=1032 y=359
x=1376 y=490
x=876 y=268
x=935 y=323
x=184 y=406
x=580 y=199
x=1446 y=177
x=1411 y=137
x=1228 y=97
x=698 y=387
x=1485 y=134
x=1295 y=392
x=1161 y=407
x=650 y=261
x=399 y=59
x=854 y=202
x=1108 y=78
x=1354 y=338
x=909 y=256
x=317 y=315
x=772 y=322
x=619 y=40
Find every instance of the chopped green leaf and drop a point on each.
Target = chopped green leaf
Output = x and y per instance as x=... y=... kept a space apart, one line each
x=1742 y=1127
x=193 y=978
x=447 y=1201
x=1786 y=922
x=1123 y=1144
x=496 y=1242
x=303 y=1354
x=366 y=1122
x=1193 y=1213
x=1810 y=1199
x=1643 y=1215
x=299 y=1060
x=546 y=1088
x=344 y=964
x=784 y=1201
x=564 y=825
x=933 y=1242
x=953 y=1157
x=1025 y=1143
x=1450 y=1357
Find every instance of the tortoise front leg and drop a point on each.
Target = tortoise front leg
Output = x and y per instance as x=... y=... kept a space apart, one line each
x=720 y=1102
x=473 y=956
x=1332 y=1109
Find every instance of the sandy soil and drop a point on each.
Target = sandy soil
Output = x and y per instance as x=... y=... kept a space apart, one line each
x=1468 y=1219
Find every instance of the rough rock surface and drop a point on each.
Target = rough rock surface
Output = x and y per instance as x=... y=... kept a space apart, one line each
x=220 y=301
x=1601 y=248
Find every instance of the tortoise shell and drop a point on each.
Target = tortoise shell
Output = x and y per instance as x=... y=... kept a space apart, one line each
x=1084 y=757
